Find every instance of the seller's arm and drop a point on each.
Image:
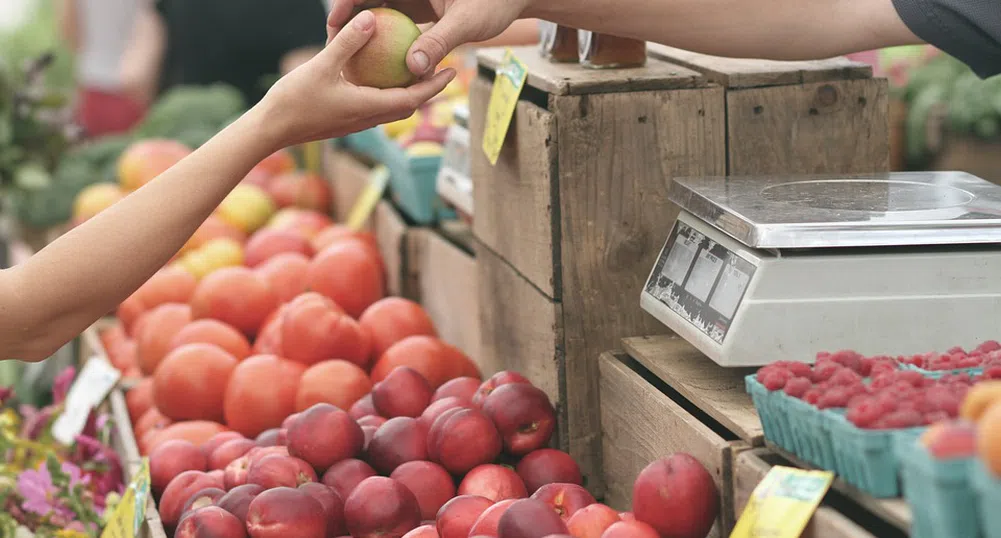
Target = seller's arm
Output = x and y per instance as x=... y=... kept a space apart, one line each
x=69 y=23
x=60 y=291
x=143 y=58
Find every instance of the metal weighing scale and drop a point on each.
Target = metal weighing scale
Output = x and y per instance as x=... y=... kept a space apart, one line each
x=759 y=269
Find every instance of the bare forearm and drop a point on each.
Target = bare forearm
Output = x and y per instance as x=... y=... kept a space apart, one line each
x=87 y=272
x=772 y=29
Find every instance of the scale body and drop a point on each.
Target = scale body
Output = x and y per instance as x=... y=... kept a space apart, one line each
x=757 y=270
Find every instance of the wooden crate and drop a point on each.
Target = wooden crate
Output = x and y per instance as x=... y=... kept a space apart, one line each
x=572 y=217
x=827 y=116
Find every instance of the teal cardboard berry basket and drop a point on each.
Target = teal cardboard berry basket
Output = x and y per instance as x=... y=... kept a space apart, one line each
x=939 y=374
x=867 y=459
x=942 y=500
x=987 y=488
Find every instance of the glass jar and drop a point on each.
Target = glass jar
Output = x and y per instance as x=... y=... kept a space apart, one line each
x=558 y=43
x=605 y=51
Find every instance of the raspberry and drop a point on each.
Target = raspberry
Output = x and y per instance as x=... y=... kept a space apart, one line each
x=824 y=371
x=822 y=355
x=812 y=396
x=864 y=414
x=848 y=359
x=970 y=362
x=776 y=379
x=800 y=369
x=797 y=386
x=957 y=350
x=835 y=397
x=915 y=379
x=936 y=416
x=845 y=378
x=989 y=346
x=858 y=399
x=994 y=372
x=904 y=418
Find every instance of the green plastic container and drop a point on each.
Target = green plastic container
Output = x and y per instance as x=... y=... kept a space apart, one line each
x=942 y=501
x=939 y=374
x=867 y=459
x=774 y=420
x=987 y=488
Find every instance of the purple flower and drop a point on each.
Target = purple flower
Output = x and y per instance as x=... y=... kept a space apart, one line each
x=61 y=385
x=39 y=494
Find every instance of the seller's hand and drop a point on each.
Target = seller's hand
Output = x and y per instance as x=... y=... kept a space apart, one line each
x=314 y=102
x=456 y=22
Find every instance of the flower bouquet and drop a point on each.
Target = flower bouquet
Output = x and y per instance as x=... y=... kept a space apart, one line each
x=52 y=490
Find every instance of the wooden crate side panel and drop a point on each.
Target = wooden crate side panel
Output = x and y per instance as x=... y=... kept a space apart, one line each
x=448 y=291
x=749 y=469
x=514 y=199
x=390 y=236
x=834 y=127
x=617 y=155
x=642 y=424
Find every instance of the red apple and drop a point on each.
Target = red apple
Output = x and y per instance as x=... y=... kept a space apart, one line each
x=237 y=500
x=548 y=466
x=524 y=417
x=495 y=482
x=381 y=507
x=324 y=435
x=236 y=472
x=396 y=442
x=345 y=475
x=530 y=518
x=201 y=499
x=268 y=438
x=676 y=496
x=488 y=521
x=285 y=512
x=363 y=407
x=424 y=531
x=172 y=458
x=333 y=507
x=439 y=408
x=211 y=522
x=462 y=388
x=403 y=393
x=429 y=482
x=566 y=499
x=289 y=420
x=497 y=380
x=280 y=471
x=301 y=189
x=218 y=440
x=371 y=420
x=229 y=451
x=461 y=439
x=458 y=515
x=592 y=520
x=268 y=243
x=180 y=489
x=259 y=453
x=630 y=529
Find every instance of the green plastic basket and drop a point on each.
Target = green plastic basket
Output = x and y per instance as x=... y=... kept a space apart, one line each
x=942 y=501
x=987 y=488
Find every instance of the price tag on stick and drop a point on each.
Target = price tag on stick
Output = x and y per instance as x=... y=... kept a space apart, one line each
x=368 y=198
x=91 y=386
x=130 y=512
x=783 y=503
x=508 y=83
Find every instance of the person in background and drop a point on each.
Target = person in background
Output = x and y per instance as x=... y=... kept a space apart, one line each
x=97 y=33
x=243 y=43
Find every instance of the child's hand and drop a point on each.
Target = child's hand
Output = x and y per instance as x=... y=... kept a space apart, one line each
x=314 y=102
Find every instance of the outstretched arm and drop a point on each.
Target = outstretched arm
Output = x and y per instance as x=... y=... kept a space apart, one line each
x=49 y=299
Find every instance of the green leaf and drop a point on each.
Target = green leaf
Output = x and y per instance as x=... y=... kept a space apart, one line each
x=32 y=177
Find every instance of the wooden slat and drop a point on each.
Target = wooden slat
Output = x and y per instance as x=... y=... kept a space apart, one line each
x=753 y=73
x=572 y=79
x=641 y=424
x=391 y=235
x=447 y=289
x=717 y=391
x=520 y=183
x=832 y=127
x=750 y=468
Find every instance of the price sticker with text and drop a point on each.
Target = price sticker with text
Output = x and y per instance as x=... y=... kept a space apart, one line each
x=130 y=512
x=783 y=503
x=508 y=83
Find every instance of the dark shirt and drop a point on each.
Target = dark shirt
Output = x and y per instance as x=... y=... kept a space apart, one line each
x=238 y=42
x=969 y=30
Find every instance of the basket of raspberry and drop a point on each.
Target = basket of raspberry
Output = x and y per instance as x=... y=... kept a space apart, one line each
x=985 y=358
x=846 y=412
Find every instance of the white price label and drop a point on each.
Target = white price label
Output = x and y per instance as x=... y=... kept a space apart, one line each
x=89 y=389
x=700 y=281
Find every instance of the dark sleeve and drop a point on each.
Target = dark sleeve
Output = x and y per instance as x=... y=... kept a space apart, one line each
x=301 y=23
x=969 y=30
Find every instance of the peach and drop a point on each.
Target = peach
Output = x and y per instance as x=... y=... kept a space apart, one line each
x=676 y=496
x=548 y=466
x=201 y=499
x=301 y=189
x=324 y=435
x=396 y=442
x=429 y=482
x=218 y=474
x=591 y=521
x=218 y=440
x=261 y=452
x=404 y=393
x=268 y=438
x=462 y=388
x=235 y=473
x=438 y=408
x=280 y=471
x=371 y=420
x=172 y=458
x=630 y=529
x=424 y=531
x=461 y=439
x=524 y=417
x=949 y=440
x=530 y=518
x=988 y=436
x=333 y=506
x=458 y=515
x=179 y=490
x=566 y=499
x=229 y=451
x=382 y=62
x=211 y=522
x=980 y=396
x=284 y=512
x=268 y=243
x=369 y=432
x=486 y=524
x=495 y=482
x=381 y=507
x=345 y=475
x=289 y=420
x=363 y=407
x=497 y=380
x=237 y=500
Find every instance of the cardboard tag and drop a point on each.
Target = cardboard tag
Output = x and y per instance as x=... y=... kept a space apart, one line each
x=90 y=388
x=508 y=83
x=130 y=512
x=368 y=198
x=783 y=503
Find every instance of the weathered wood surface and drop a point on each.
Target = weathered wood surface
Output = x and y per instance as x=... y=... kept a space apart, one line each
x=391 y=236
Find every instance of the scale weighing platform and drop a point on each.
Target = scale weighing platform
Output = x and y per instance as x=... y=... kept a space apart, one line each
x=760 y=269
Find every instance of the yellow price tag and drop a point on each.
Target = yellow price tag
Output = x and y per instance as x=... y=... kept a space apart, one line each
x=783 y=503
x=368 y=198
x=130 y=512
x=508 y=83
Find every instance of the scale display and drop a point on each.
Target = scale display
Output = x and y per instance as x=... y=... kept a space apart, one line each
x=700 y=280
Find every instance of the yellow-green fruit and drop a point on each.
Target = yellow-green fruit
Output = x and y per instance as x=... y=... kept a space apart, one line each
x=382 y=62
x=397 y=128
x=425 y=149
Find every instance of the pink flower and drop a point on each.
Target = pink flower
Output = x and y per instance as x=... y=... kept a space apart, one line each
x=39 y=494
x=61 y=385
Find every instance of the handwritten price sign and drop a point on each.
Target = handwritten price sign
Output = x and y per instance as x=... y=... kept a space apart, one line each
x=783 y=503
x=508 y=83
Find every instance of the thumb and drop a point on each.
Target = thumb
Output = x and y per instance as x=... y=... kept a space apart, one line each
x=349 y=40
x=432 y=46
